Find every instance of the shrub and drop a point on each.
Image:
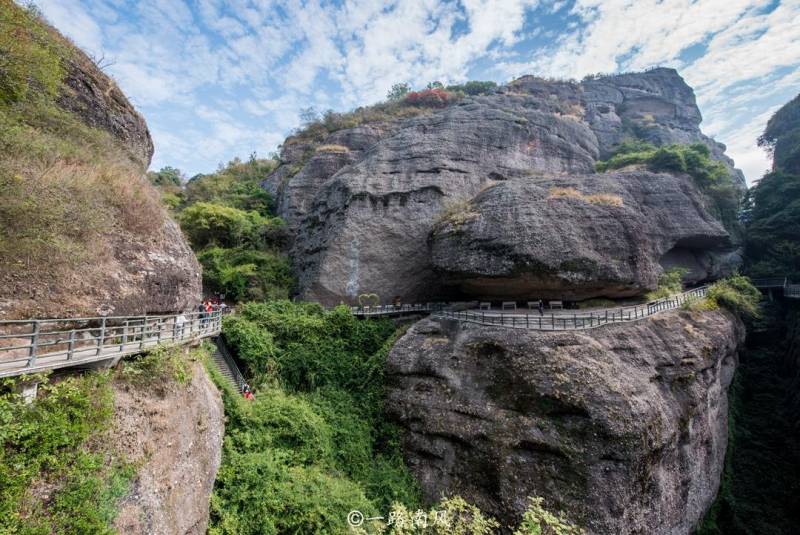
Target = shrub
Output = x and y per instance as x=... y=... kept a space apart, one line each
x=667 y=159
x=474 y=87
x=538 y=521
x=246 y=274
x=161 y=364
x=56 y=443
x=669 y=283
x=429 y=98
x=737 y=294
x=209 y=224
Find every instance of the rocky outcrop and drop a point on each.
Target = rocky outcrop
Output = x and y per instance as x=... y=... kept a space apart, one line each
x=174 y=434
x=130 y=258
x=623 y=427
x=362 y=215
x=90 y=94
x=566 y=237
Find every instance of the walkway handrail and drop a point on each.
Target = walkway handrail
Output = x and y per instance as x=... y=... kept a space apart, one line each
x=575 y=321
x=43 y=344
x=226 y=355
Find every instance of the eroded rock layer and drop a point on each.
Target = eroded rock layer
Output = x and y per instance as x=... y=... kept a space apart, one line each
x=566 y=237
x=624 y=427
x=362 y=202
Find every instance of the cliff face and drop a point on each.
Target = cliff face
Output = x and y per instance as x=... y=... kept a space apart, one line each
x=569 y=238
x=624 y=427
x=175 y=434
x=363 y=213
x=82 y=227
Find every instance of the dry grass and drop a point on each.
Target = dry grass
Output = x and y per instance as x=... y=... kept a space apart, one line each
x=457 y=212
x=604 y=199
x=336 y=149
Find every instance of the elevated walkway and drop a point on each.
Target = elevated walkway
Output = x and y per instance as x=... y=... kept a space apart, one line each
x=30 y=346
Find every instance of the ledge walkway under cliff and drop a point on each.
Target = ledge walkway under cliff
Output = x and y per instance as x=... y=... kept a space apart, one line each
x=551 y=321
x=782 y=284
x=30 y=346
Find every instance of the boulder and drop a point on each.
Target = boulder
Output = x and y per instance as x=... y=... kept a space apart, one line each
x=623 y=427
x=361 y=215
x=578 y=236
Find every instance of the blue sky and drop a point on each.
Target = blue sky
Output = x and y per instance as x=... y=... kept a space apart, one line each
x=222 y=78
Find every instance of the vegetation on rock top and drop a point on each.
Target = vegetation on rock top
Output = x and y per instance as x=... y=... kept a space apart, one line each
x=695 y=159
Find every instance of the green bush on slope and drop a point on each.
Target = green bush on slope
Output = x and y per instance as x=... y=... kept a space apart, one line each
x=695 y=160
x=46 y=444
x=314 y=445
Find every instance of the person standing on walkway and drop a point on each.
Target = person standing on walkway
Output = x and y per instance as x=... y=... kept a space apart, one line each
x=541 y=307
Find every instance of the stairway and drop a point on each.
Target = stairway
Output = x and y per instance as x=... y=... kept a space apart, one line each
x=226 y=366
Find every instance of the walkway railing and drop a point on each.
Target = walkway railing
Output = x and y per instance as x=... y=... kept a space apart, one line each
x=576 y=321
x=390 y=310
x=790 y=289
x=28 y=346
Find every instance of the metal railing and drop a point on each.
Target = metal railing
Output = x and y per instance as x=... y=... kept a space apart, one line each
x=28 y=346
x=389 y=310
x=238 y=378
x=790 y=289
x=576 y=321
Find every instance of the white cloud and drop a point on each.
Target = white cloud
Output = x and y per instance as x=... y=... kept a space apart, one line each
x=261 y=61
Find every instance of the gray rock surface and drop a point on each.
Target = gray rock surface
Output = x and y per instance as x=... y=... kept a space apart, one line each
x=89 y=93
x=577 y=236
x=362 y=217
x=623 y=427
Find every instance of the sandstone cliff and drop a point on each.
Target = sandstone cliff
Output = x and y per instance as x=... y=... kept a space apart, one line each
x=174 y=434
x=363 y=201
x=81 y=226
x=624 y=427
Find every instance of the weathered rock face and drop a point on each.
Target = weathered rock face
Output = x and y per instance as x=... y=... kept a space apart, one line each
x=362 y=216
x=100 y=103
x=567 y=237
x=131 y=267
x=176 y=434
x=623 y=427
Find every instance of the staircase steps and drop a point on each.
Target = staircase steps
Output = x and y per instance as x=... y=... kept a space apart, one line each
x=226 y=366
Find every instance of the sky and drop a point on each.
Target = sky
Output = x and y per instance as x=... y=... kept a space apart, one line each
x=216 y=79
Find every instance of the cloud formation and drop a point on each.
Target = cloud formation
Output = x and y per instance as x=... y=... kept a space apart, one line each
x=221 y=78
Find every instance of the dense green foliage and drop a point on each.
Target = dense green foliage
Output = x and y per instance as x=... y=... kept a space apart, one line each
x=52 y=445
x=773 y=217
x=695 y=160
x=758 y=493
x=782 y=137
x=772 y=246
x=228 y=219
x=737 y=294
x=314 y=445
x=669 y=283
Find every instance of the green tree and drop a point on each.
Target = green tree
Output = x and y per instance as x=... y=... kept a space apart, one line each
x=398 y=91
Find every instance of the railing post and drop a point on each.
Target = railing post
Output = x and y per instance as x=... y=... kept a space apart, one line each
x=34 y=344
x=144 y=333
x=71 y=345
x=124 y=336
x=101 y=340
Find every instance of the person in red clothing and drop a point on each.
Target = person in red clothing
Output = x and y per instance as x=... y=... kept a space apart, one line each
x=247 y=394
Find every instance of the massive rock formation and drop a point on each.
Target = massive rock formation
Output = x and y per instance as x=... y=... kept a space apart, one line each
x=363 y=201
x=133 y=259
x=623 y=427
x=173 y=432
x=566 y=237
